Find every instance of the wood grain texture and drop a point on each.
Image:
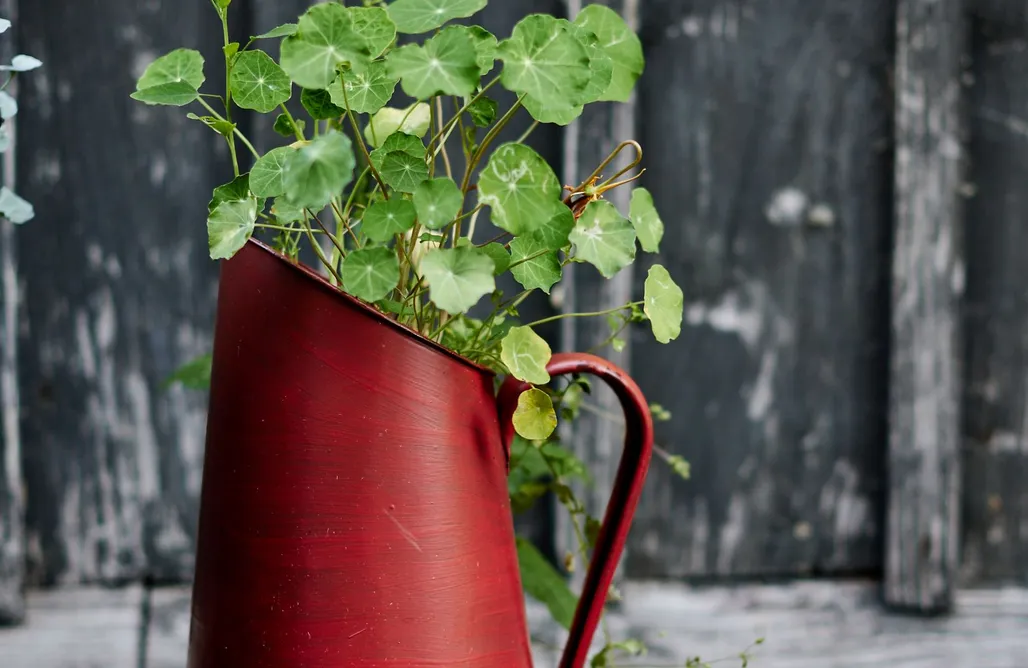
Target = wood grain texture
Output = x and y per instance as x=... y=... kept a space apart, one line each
x=594 y=437
x=12 y=492
x=995 y=456
x=119 y=290
x=922 y=541
x=766 y=127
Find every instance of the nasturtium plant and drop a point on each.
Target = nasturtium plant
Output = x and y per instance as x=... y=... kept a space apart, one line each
x=389 y=163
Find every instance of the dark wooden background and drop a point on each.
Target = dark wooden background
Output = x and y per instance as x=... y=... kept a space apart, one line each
x=843 y=189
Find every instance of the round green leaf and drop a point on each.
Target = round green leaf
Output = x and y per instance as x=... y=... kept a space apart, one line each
x=319 y=105
x=266 y=177
x=554 y=234
x=318 y=171
x=446 y=64
x=383 y=220
x=520 y=187
x=16 y=209
x=172 y=94
x=327 y=36
x=179 y=66
x=499 y=255
x=412 y=121
x=557 y=115
x=438 y=201
x=258 y=83
x=662 y=304
x=526 y=355
x=417 y=16
x=229 y=227
x=483 y=111
x=561 y=111
x=604 y=239
x=621 y=44
x=236 y=190
x=370 y=273
x=374 y=27
x=367 y=91
x=401 y=162
x=458 y=277
x=533 y=265
x=646 y=220
x=485 y=46
x=543 y=59
x=534 y=417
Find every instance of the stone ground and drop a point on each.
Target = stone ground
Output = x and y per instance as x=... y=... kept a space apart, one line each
x=805 y=625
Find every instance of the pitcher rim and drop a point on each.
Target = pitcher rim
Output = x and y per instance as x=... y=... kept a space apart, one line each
x=321 y=282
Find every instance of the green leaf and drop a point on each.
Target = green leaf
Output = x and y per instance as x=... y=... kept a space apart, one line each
x=662 y=303
x=646 y=220
x=318 y=104
x=326 y=37
x=221 y=126
x=14 y=208
x=266 y=177
x=485 y=46
x=320 y=170
x=284 y=126
x=179 y=66
x=258 y=83
x=562 y=111
x=236 y=190
x=499 y=256
x=446 y=64
x=374 y=27
x=411 y=120
x=171 y=94
x=401 y=162
x=521 y=188
x=543 y=59
x=557 y=115
x=483 y=111
x=229 y=227
x=383 y=220
x=370 y=273
x=534 y=418
x=438 y=202
x=621 y=44
x=680 y=466
x=285 y=211
x=541 y=271
x=603 y=238
x=526 y=355
x=284 y=30
x=367 y=91
x=230 y=50
x=194 y=375
x=414 y=17
x=458 y=277
x=543 y=583
x=554 y=234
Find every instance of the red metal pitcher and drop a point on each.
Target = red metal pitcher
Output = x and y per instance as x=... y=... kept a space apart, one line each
x=354 y=511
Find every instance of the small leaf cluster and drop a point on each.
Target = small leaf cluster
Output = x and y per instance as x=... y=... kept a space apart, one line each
x=371 y=186
x=12 y=207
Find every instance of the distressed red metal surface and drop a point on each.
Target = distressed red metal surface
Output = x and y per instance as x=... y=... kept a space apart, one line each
x=354 y=510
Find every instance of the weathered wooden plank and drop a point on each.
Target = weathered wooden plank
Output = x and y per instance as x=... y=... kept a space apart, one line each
x=806 y=624
x=594 y=437
x=995 y=498
x=76 y=628
x=118 y=290
x=766 y=128
x=12 y=493
x=922 y=540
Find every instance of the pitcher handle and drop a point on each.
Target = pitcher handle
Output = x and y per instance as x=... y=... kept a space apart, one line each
x=628 y=485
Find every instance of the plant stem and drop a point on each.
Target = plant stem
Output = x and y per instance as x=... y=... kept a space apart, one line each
x=526 y=133
x=583 y=315
x=495 y=130
x=292 y=121
x=364 y=147
x=320 y=253
x=464 y=109
x=282 y=228
x=228 y=90
x=441 y=149
x=335 y=242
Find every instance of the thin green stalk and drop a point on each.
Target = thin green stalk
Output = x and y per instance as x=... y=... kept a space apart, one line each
x=282 y=228
x=340 y=218
x=583 y=315
x=235 y=131
x=464 y=109
x=495 y=130
x=528 y=132
x=292 y=122
x=441 y=149
x=335 y=242
x=223 y=13
x=320 y=253
x=364 y=147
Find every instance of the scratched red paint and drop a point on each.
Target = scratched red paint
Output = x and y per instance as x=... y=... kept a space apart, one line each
x=354 y=511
